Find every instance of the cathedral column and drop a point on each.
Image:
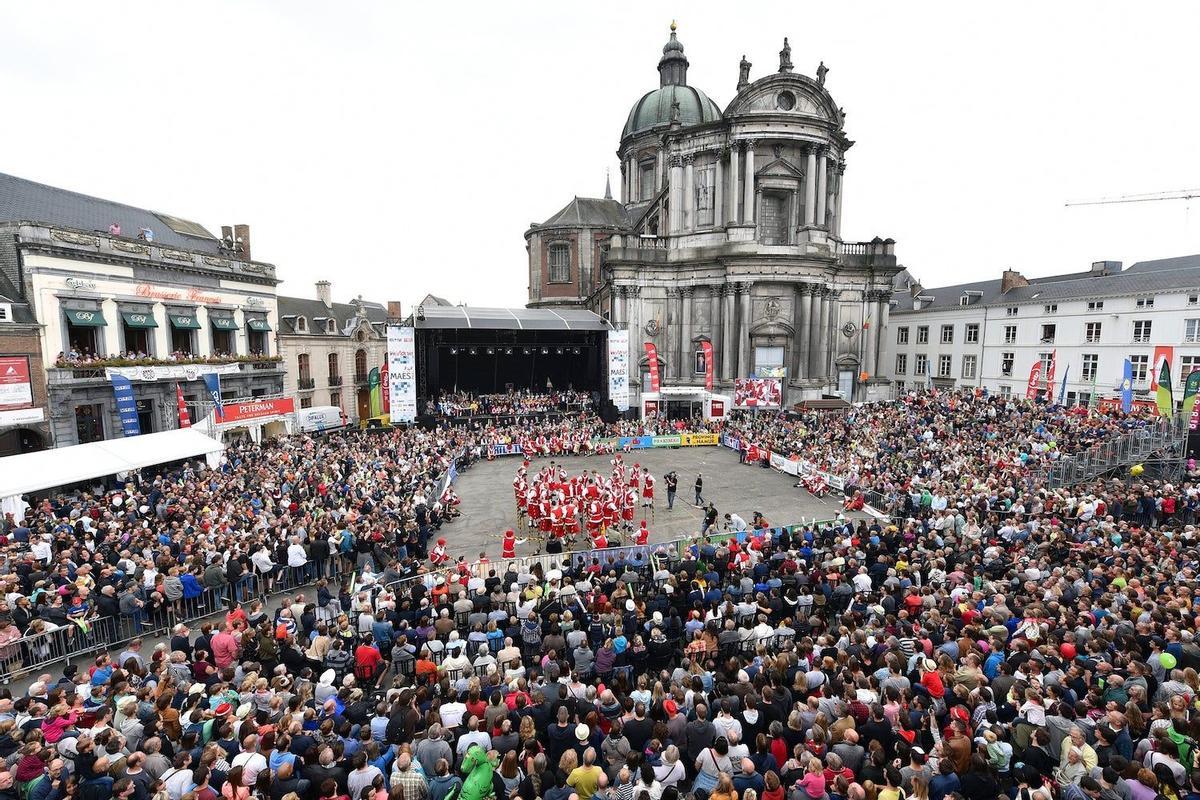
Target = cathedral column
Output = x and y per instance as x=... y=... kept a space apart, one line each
x=813 y=323
x=870 y=364
x=714 y=322
x=686 y=332
x=803 y=306
x=689 y=192
x=660 y=170
x=837 y=200
x=620 y=313
x=733 y=184
x=881 y=331
x=822 y=189
x=728 y=331
x=718 y=192
x=748 y=201
x=822 y=370
x=675 y=195
x=810 y=187
x=744 y=365
x=676 y=301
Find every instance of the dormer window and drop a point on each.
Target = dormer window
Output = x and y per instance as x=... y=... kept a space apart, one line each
x=330 y=326
x=301 y=324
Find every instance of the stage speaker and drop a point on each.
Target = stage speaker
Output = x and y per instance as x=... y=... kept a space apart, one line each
x=609 y=413
x=427 y=422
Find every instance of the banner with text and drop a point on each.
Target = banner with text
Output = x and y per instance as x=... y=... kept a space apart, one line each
x=171 y=372
x=126 y=405
x=618 y=369
x=402 y=372
x=16 y=388
x=652 y=366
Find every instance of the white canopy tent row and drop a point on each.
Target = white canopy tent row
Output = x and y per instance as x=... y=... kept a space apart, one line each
x=47 y=469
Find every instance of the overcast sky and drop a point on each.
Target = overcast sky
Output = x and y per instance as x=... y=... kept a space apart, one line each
x=403 y=148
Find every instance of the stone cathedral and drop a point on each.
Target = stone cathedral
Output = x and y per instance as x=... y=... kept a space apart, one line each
x=728 y=229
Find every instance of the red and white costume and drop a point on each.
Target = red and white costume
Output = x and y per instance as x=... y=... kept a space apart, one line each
x=647 y=489
x=508 y=545
x=439 y=555
x=643 y=534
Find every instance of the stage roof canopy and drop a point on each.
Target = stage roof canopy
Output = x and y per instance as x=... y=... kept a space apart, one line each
x=526 y=319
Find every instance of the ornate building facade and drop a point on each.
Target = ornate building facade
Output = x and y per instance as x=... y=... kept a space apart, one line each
x=729 y=230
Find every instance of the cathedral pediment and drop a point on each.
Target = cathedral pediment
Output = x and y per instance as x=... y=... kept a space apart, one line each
x=780 y=168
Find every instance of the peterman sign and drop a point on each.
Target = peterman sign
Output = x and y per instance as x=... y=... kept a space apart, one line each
x=255 y=410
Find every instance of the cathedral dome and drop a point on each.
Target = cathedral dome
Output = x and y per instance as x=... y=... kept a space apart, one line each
x=656 y=107
x=695 y=108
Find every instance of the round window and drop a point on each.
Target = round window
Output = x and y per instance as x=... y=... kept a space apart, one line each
x=786 y=101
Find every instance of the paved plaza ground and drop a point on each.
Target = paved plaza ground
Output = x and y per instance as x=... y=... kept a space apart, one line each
x=488 y=505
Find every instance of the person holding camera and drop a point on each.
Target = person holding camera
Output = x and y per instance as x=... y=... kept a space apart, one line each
x=672 y=482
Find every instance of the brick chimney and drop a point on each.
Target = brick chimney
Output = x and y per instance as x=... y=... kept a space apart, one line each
x=1011 y=279
x=241 y=234
x=394 y=309
x=325 y=293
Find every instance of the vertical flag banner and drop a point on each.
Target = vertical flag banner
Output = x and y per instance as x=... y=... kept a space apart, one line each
x=185 y=421
x=212 y=382
x=1035 y=376
x=1094 y=398
x=1164 y=396
x=1127 y=387
x=126 y=405
x=1062 y=392
x=618 y=369
x=1162 y=354
x=652 y=365
x=1050 y=370
x=402 y=372
x=386 y=386
x=708 y=365
x=376 y=391
x=1191 y=387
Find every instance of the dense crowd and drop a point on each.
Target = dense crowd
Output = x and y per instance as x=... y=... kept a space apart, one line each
x=466 y=404
x=86 y=358
x=994 y=638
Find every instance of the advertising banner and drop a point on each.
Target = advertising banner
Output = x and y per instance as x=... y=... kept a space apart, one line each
x=185 y=421
x=212 y=384
x=1163 y=354
x=635 y=442
x=618 y=369
x=253 y=410
x=385 y=385
x=1035 y=376
x=1191 y=386
x=718 y=408
x=1050 y=371
x=172 y=372
x=757 y=393
x=651 y=407
x=666 y=441
x=1127 y=386
x=708 y=365
x=652 y=365
x=16 y=390
x=505 y=449
x=698 y=439
x=402 y=372
x=375 y=392
x=126 y=406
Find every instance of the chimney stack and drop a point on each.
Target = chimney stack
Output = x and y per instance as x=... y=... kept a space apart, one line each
x=325 y=293
x=241 y=235
x=1011 y=279
x=394 y=310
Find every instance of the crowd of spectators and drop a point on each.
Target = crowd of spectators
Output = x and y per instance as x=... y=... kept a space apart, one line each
x=1002 y=639
x=510 y=404
x=77 y=358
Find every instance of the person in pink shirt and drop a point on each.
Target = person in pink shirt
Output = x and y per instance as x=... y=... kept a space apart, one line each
x=224 y=647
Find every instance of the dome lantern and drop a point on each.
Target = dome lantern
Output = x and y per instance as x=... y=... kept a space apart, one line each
x=672 y=67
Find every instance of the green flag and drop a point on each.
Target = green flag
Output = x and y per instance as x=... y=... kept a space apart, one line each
x=1165 y=397
x=1093 y=399
x=1191 y=386
x=374 y=385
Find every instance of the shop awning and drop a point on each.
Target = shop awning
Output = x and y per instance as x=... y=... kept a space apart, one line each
x=258 y=324
x=184 y=321
x=223 y=323
x=79 y=317
x=136 y=319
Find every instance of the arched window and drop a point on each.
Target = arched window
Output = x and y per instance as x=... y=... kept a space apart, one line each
x=560 y=262
x=360 y=365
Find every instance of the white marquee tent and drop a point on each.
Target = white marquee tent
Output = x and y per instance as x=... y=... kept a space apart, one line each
x=46 y=469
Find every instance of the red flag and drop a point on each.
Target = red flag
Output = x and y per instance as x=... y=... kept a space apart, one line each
x=184 y=420
x=1035 y=373
x=1050 y=374
x=708 y=365
x=386 y=387
x=652 y=365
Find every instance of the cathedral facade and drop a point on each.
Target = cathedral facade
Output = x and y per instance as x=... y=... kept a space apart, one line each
x=727 y=230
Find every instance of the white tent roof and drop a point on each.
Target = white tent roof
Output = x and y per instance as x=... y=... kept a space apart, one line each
x=46 y=469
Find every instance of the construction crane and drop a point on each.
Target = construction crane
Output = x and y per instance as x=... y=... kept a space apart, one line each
x=1148 y=197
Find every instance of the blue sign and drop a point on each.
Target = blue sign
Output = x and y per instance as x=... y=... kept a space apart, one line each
x=212 y=381
x=1127 y=388
x=635 y=442
x=126 y=406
